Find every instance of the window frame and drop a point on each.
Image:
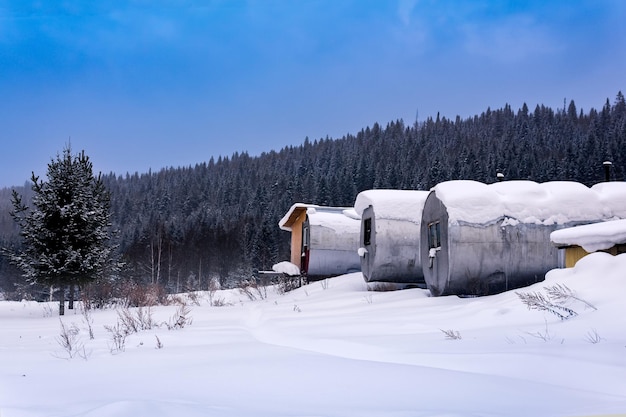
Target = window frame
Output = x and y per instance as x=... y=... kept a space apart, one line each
x=367 y=231
x=434 y=235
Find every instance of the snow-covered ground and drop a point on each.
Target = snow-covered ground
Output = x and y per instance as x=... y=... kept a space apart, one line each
x=333 y=349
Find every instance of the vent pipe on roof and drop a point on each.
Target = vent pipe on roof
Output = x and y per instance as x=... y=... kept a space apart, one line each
x=607 y=170
x=500 y=176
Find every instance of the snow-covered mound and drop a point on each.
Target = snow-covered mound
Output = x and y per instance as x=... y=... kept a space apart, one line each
x=332 y=348
x=286 y=268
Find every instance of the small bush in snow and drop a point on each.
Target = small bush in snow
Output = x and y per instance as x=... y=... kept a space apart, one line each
x=252 y=289
x=68 y=339
x=537 y=301
x=287 y=283
x=138 y=295
x=562 y=294
x=144 y=318
x=47 y=310
x=214 y=286
x=159 y=345
x=127 y=324
x=133 y=323
x=219 y=302
x=194 y=298
x=451 y=334
x=118 y=337
x=558 y=296
x=88 y=319
x=544 y=335
x=180 y=319
x=593 y=337
x=100 y=294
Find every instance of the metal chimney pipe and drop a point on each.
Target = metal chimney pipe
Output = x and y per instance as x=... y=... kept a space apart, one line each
x=607 y=170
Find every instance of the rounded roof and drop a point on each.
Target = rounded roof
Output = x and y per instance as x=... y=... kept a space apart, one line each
x=555 y=202
x=392 y=204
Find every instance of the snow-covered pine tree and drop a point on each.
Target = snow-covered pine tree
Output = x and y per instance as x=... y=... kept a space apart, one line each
x=66 y=234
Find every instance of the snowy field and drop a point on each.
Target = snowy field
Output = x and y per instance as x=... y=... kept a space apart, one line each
x=332 y=348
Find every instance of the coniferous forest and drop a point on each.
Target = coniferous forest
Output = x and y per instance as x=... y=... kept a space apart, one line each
x=182 y=227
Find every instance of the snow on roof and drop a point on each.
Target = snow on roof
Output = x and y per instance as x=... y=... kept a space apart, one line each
x=468 y=200
x=392 y=204
x=592 y=237
x=339 y=218
x=613 y=195
x=556 y=202
x=294 y=212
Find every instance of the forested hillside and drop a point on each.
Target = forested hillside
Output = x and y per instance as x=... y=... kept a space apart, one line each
x=181 y=227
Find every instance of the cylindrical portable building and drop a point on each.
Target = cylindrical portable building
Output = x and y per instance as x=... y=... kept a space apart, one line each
x=390 y=235
x=324 y=240
x=483 y=239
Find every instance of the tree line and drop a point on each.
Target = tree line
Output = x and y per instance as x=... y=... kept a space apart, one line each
x=181 y=228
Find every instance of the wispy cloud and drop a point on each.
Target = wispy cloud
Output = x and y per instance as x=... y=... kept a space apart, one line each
x=508 y=40
x=405 y=10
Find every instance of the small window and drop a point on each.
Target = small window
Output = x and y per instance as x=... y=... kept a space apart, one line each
x=367 y=231
x=434 y=235
x=305 y=238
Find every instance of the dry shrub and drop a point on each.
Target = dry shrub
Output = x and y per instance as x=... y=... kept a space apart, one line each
x=124 y=293
x=129 y=322
x=220 y=302
x=285 y=283
x=99 y=295
x=537 y=301
x=253 y=290
x=180 y=319
x=194 y=298
x=138 y=295
x=68 y=339
x=118 y=337
x=451 y=334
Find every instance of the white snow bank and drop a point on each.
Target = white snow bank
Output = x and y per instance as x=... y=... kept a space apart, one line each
x=333 y=336
x=556 y=202
x=592 y=237
x=332 y=348
x=392 y=204
x=287 y=268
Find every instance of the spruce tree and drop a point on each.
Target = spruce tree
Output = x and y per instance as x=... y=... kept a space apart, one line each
x=66 y=239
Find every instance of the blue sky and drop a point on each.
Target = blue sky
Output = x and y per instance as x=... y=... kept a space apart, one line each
x=154 y=83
